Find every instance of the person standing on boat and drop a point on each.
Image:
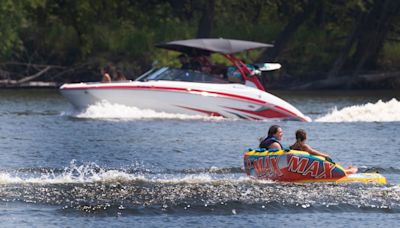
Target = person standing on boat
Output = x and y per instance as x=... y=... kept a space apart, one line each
x=106 y=74
x=272 y=141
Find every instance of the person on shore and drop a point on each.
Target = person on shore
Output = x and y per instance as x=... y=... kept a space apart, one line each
x=272 y=141
x=105 y=72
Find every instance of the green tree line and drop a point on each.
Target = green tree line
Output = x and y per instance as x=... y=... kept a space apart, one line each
x=353 y=41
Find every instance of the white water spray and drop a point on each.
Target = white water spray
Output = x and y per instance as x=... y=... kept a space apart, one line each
x=370 y=112
x=105 y=110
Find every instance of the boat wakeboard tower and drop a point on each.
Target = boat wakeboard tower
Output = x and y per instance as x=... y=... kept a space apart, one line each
x=226 y=47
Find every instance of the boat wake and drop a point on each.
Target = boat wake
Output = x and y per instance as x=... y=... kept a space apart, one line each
x=92 y=189
x=105 y=110
x=370 y=112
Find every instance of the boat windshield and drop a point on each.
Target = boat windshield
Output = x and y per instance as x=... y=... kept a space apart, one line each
x=176 y=74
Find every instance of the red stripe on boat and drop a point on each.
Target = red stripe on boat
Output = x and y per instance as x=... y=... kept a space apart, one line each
x=216 y=114
x=268 y=113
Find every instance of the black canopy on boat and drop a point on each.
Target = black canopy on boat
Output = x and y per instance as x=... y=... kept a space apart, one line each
x=211 y=45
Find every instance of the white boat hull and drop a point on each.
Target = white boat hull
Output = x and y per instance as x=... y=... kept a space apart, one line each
x=226 y=100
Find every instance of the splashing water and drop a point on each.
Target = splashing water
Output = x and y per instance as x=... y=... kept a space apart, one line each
x=92 y=173
x=105 y=110
x=91 y=188
x=370 y=112
x=73 y=174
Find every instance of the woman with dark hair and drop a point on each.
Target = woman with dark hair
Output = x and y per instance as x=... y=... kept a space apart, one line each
x=300 y=144
x=120 y=76
x=272 y=141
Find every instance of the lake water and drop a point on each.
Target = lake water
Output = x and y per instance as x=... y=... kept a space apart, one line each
x=114 y=166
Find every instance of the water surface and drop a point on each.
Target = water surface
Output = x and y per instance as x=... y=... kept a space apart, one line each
x=118 y=166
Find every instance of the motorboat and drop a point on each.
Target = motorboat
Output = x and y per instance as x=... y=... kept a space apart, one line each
x=300 y=166
x=194 y=92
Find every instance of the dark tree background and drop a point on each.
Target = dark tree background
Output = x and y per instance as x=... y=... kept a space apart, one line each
x=321 y=44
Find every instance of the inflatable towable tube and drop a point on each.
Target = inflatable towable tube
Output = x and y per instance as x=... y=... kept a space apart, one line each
x=300 y=166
